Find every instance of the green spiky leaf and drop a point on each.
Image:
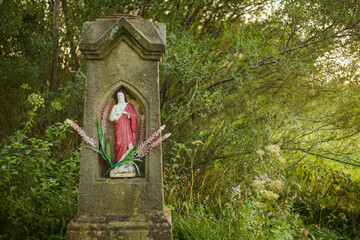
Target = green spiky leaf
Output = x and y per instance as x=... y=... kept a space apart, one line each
x=125 y=160
x=108 y=152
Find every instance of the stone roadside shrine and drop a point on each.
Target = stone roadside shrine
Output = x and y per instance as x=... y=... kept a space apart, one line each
x=123 y=54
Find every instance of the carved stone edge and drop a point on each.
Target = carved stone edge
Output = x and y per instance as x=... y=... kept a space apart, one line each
x=122 y=30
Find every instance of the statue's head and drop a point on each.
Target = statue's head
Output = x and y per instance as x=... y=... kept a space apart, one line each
x=121 y=96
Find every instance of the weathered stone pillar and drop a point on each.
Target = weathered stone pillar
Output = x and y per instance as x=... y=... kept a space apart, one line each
x=123 y=52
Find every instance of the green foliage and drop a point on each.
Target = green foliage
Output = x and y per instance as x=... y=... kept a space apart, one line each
x=326 y=196
x=238 y=76
x=237 y=219
x=280 y=200
x=38 y=190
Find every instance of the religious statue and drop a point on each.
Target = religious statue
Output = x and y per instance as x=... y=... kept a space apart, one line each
x=125 y=123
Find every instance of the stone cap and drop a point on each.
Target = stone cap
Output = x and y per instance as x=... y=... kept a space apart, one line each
x=147 y=38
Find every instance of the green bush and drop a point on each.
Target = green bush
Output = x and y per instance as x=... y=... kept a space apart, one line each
x=37 y=189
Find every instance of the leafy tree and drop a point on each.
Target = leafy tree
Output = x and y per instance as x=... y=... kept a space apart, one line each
x=238 y=76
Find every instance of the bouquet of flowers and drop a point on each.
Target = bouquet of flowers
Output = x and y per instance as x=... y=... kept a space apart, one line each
x=142 y=148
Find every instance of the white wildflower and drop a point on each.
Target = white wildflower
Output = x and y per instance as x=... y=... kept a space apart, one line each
x=260 y=205
x=273 y=149
x=258 y=183
x=260 y=152
x=236 y=189
x=268 y=194
x=276 y=184
x=265 y=177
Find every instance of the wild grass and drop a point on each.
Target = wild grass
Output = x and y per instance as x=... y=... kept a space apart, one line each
x=277 y=200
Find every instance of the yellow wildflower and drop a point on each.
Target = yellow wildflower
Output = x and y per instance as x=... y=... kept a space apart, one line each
x=56 y=105
x=25 y=86
x=197 y=142
x=36 y=100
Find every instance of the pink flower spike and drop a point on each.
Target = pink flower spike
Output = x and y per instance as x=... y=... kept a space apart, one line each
x=157 y=142
x=142 y=152
x=82 y=133
x=155 y=134
x=142 y=131
x=104 y=116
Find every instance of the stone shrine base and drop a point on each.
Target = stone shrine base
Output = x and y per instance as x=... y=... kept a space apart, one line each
x=155 y=227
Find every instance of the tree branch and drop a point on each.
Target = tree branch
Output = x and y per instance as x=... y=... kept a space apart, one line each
x=220 y=82
x=320 y=155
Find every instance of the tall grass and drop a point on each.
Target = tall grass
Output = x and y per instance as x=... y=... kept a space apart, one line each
x=276 y=200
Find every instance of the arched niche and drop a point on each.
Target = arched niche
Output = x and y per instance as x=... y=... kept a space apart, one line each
x=140 y=105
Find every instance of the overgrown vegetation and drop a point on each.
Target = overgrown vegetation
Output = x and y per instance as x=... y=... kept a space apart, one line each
x=261 y=98
x=38 y=187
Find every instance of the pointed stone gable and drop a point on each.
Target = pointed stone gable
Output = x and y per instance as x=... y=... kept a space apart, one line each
x=145 y=37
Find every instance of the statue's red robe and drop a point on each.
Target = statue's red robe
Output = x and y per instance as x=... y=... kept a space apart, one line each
x=125 y=131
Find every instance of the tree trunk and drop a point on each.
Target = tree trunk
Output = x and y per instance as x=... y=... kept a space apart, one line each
x=74 y=61
x=53 y=79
